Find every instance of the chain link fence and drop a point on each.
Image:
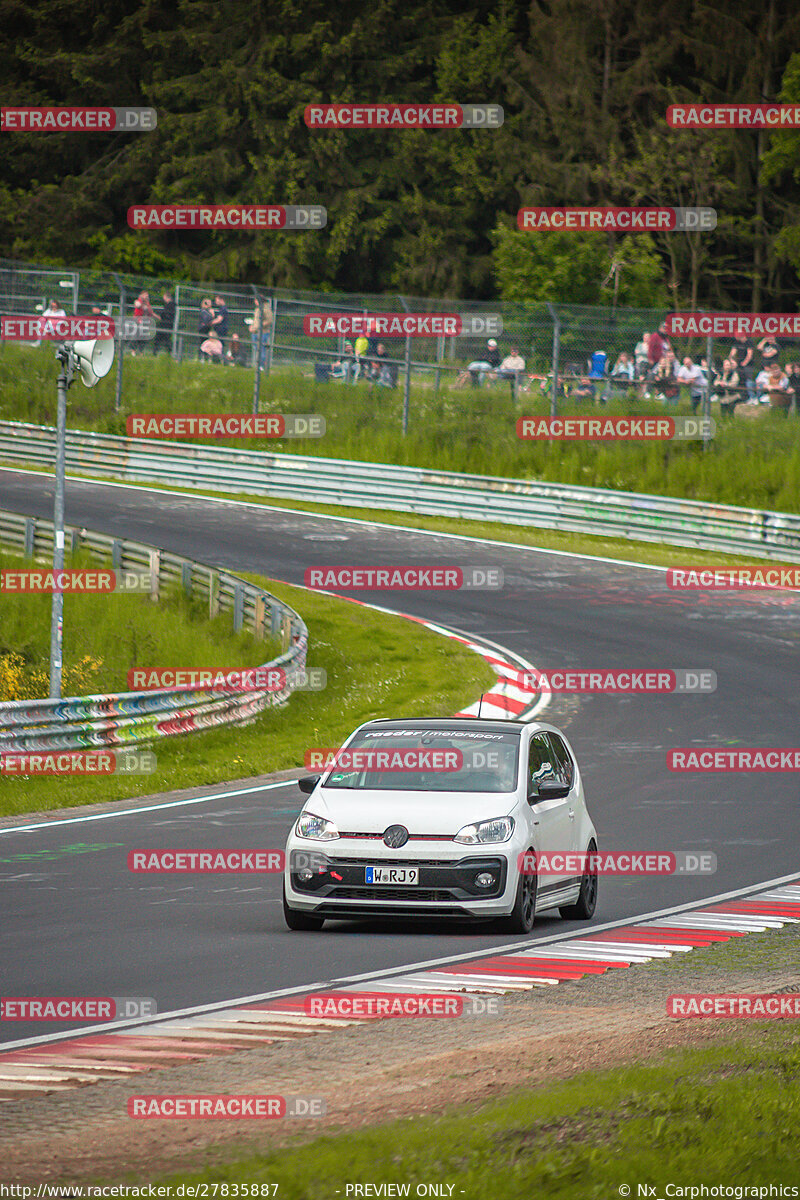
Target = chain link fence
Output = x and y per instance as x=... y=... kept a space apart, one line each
x=564 y=355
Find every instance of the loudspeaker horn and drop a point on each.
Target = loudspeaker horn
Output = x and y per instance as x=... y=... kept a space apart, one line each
x=94 y=359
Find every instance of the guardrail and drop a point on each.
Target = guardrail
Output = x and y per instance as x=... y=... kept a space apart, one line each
x=754 y=532
x=132 y=718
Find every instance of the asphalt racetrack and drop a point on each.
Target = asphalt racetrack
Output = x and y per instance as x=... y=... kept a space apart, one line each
x=77 y=923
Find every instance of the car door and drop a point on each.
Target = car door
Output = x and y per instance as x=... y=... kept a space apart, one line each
x=550 y=816
x=565 y=773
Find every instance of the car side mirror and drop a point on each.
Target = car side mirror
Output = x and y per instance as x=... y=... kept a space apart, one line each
x=307 y=783
x=549 y=789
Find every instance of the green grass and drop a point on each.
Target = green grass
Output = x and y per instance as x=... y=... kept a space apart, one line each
x=753 y=463
x=121 y=632
x=723 y=1115
x=376 y=664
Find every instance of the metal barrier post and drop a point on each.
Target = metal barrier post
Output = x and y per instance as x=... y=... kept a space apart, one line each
x=407 y=380
x=439 y=357
x=120 y=343
x=273 y=333
x=556 y=356
x=257 y=352
x=707 y=393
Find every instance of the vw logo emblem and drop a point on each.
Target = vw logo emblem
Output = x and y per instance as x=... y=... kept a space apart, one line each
x=395 y=836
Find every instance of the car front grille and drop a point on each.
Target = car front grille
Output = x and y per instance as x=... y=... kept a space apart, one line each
x=423 y=895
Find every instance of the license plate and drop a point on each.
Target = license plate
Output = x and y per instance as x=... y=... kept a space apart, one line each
x=400 y=876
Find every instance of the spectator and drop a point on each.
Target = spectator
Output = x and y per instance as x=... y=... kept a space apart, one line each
x=219 y=322
x=793 y=372
x=665 y=376
x=372 y=337
x=511 y=366
x=742 y=354
x=730 y=388
x=585 y=389
x=693 y=377
x=205 y=320
x=657 y=347
x=762 y=385
x=476 y=371
x=54 y=309
x=341 y=368
x=383 y=372
x=769 y=380
x=260 y=328
x=142 y=314
x=641 y=361
x=769 y=349
x=713 y=377
x=623 y=367
x=360 y=351
x=211 y=349
x=166 y=325
x=236 y=353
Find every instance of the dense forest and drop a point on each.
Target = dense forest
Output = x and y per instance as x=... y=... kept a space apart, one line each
x=584 y=85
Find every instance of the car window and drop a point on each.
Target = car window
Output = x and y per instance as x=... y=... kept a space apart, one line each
x=428 y=760
x=563 y=761
x=540 y=762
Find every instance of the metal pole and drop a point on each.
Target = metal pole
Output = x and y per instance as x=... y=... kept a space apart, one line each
x=272 y=333
x=407 y=380
x=120 y=344
x=407 y=386
x=64 y=356
x=176 y=319
x=439 y=357
x=707 y=394
x=556 y=357
x=257 y=354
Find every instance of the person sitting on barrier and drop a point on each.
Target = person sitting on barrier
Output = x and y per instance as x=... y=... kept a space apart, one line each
x=383 y=372
x=730 y=390
x=511 y=367
x=771 y=383
x=623 y=367
x=341 y=367
x=668 y=388
x=477 y=370
x=584 y=389
x=236 y=354
x=211 y=349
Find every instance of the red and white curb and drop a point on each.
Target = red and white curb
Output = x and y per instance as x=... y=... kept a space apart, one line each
x=505 y=701
x=60 y=1065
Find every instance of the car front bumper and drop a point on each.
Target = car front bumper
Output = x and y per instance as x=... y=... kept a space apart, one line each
x=446 y=884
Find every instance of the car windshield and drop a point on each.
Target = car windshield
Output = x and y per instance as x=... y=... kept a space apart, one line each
x=429 y=760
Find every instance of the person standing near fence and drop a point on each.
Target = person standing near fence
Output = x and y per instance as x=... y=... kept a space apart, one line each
x=219 y=323
x=166 y=324
x=142 y=315
x=204 y=324
x=260 y=327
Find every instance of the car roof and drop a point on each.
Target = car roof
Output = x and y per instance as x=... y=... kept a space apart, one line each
x=456 y=724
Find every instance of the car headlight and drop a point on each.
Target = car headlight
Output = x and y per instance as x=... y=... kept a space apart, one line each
x=318 y=829
x=497 y=830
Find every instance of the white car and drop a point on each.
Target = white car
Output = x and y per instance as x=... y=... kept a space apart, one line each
x=435 y=818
